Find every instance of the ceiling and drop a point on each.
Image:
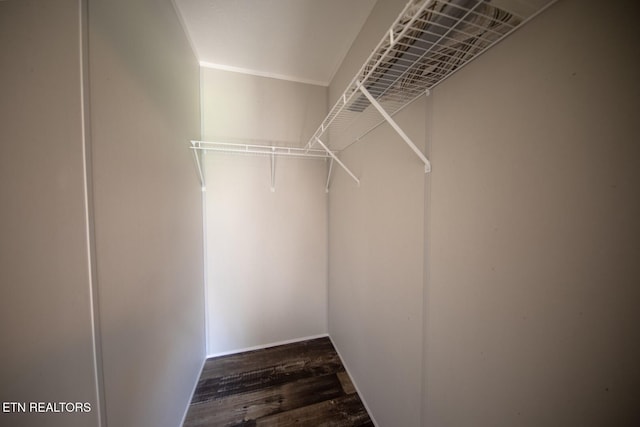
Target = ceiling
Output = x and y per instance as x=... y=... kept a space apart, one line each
x=298 y=40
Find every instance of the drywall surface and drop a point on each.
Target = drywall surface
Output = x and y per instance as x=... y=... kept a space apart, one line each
x=376 y=251
x=148 y=210
x=245 y=107
x=376 y=256
x=45 y=320
x=532 y=299
x=266 y=251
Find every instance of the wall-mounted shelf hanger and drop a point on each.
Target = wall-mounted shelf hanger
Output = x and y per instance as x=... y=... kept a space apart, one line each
x=272 y=151
x=428 y=42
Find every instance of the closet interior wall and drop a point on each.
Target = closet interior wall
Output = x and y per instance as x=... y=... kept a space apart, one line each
x=45 y=307
x=526 y=232
x=532 y=297
x=266 y=250
x=144 y=89
x=97 y=112
x=376 y=250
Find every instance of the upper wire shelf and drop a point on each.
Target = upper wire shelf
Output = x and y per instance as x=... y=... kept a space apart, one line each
x=428 y=42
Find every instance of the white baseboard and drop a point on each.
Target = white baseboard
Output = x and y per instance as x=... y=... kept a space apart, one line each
x=267 y=345
x=195 y=384
x=355 y=384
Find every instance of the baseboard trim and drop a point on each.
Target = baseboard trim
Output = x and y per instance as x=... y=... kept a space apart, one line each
x=355 y=384
x=267 y=345
x=195 y=384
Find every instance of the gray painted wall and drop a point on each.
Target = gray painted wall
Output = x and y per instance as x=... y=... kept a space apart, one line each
x=376 y=251
x=532 y=301
x=144 y=105
x=266 y=251
x=148 y=210
x=245 y=107
x=376 y=257
x=45 y=319
x=530 y=234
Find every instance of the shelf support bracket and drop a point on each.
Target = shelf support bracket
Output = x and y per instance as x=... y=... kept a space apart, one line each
x=334 y=157
x=396 y=127
x=326 y=188
x=273 y=170
x=196 y=157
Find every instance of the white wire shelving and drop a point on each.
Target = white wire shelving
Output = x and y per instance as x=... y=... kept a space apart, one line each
x=271 y=151
x=257 y=149
x=428 y=42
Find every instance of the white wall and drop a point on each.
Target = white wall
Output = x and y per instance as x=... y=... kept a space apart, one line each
x=376 y=252
x=531 y=234
x=148 y=210
x=144 y=104
x=266 y=251
x=45 y=319
x=246 y=107
x=532 y=299
x=376 y=270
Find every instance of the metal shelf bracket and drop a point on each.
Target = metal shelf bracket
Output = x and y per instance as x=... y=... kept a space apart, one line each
x=334 y=157
x=196 y=156
x=273 y=170
x=326 y=188
x=395 y=126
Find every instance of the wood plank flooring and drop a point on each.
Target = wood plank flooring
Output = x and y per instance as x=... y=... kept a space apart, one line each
x=299 y=384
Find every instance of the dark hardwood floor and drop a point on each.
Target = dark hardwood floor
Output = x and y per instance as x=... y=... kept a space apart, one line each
x=299 y=384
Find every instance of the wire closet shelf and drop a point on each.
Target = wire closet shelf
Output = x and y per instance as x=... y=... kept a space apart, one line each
x=271 y=151
x=427 y=43
x=259 y=149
